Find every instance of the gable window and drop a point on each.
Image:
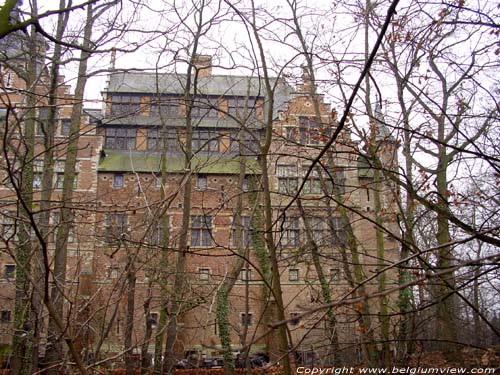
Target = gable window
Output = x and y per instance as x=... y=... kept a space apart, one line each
x=120 y=138
x=125 y=104
x=118 y=181
x=201 y=181
x=287 y=178
x=116 y=227
x=290 y=232
x=311 y=132
x=201 y=231
x=291 y=133
x=204 y=274
x=293 y=274
x=9 y=271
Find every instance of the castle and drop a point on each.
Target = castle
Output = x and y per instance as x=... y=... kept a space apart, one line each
x=129 y=201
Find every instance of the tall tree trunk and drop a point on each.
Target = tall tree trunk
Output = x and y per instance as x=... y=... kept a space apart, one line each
x=22 y=355
x=55 y=350
x=222 y=309
x=179 y=283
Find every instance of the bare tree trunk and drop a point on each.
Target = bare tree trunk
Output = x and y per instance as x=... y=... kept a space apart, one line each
x=22 y=355
x=55 y=350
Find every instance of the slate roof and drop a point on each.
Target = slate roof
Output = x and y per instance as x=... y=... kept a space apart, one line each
x=216 y=85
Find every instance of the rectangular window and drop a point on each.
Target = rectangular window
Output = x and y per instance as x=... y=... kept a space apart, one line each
x=290 y=232
x=113 y=272
x=245 y=184
x=335 y=177
x=291 y=133
x=118 y=326
x=120 y=138
x=310 y=131
x=8 y=225
x=154 y=139
x=295 y=316
x=65 y=127
x=334 y=274
x=201 y=181
x=246 y=274
x=118 y=181
x=293 y=274
x=313 y=184
x=205 y=107
x=201 y=231
x=206 y=141
x=287 y=179
x=116 y=227
x=5 y=316
x=164 y=106
x=246 y=319
x=37 y=180
x=245 y=231
x=60 y=181
x=204 y=274
x=158 y=230
x=125 y=105
x=338 y=237
x=153 y=319
x=321 y=234
x=56 y=222
x=242 y=107
x=9 y=271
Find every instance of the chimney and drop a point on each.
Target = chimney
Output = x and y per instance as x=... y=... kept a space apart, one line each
x=203 y=64
x=306 y=85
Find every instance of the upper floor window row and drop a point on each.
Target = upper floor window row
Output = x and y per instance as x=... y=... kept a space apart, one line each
x=204 y=140
x=175 y=106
